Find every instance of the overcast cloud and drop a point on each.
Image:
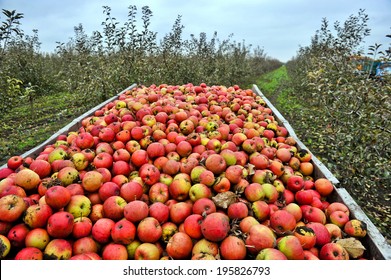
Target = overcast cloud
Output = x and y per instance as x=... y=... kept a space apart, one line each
x=280 y=27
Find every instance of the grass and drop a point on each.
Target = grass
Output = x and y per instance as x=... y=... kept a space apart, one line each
x=275 y=86
x=24 y=127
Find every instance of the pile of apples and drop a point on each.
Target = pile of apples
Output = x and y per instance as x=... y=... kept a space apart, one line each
x=174 y=172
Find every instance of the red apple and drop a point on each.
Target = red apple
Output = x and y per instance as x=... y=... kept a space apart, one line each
x=101 y=230
x=36 y=216
x=282 y=222
x=233 y=248
x=149 y=230
x=179 y=246
x=57 y=197
x=159 y=211
x=147 y=251
x=333 y=251
x=215 y=226
x=60 y=224
x=136 y=210
x=123 y=232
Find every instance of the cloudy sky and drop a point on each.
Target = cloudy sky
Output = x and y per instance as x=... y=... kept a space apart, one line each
x=280 y=27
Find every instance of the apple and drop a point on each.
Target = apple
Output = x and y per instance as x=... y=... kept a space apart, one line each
x=37 y=215
x=158 y=192
x=321 y=233
x=17 y=234
x=11 y=208
x=139 y=157
x=101 y=230
x=198 y=191
x=29 y=253
x=339 y=218
x=5 y=246
x=57 y=197
x=149 y=230
x=27 y=179
x=323 y=186
x=237 y=210
x=304 y=197
x=80 y=160
x=336 y=206
x=355 y=228
x=113 y=207
x=82 y=227
x=205 y=246
x=229 y=156
x=41 y=167
x=233 y=248
x=282 y=222
x=216 y=164
x=179 y=246
x=313 y=214
x=234 y=173
x=92 y=181
x=84 y=140
x=295 y=183
x=123 y=232
x=207 y=178
x=204 y=206
x=84 y=245
x=179 y=211
x=14 y=162
x=270 y=254
x=261 y=210
x=291 y=247
x=79 y=206
x=333 y=251
x=103 y=160
x=56 y=154
x=5 y=172
x=149 y=174
x=60 y=224
x=106 y=134
x=108 y=189
x=254 y=192
x=215 y=226
x=192 y=226
x=306 y=237
x=271 y=193
x=180 y=186
x=135 y=211
x=187 y=164
x=121 y=167
x=159 y=211
x=334 y=230
x=147 y=251
x=155 y=150
x=246 y=223
x=259 y=237
x=38 y=238
x=168 y=230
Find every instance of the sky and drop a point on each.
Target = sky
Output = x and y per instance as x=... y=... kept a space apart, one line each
x=279 y=27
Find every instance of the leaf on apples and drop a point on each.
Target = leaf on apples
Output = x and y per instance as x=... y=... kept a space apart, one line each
x=224 y=199
x=352 y=246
